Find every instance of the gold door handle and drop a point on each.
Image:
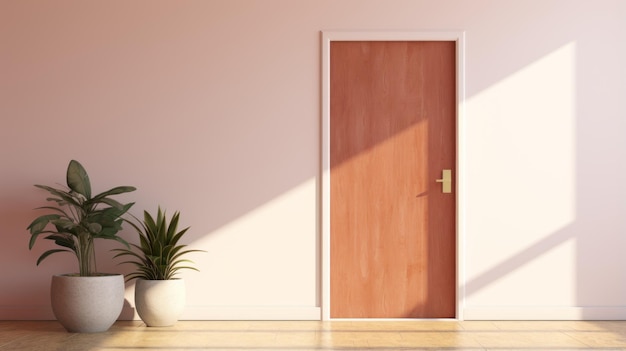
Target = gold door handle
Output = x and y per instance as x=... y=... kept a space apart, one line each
x=446 y=181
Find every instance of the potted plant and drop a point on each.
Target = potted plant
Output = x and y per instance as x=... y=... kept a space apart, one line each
x=86 y=301
x=159 y=295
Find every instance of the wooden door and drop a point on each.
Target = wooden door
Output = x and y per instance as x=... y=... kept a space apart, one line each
x=392 y=132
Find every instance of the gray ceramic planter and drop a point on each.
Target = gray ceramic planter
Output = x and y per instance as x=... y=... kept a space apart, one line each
x=87 y=304
x=160 y=303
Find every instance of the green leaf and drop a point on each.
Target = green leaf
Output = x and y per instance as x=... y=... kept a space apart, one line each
x=64 y=224
x=64 y=196
x=56 y=209
x=78 y=180
x=158 y=256
x=78 y=218
x=38 y=225
x=121 y=240
x=111 y=202
x=126 y=252
x=95 y=228
x=115 y=191
x=48 y=253
x=63 y=240
x=179 y=235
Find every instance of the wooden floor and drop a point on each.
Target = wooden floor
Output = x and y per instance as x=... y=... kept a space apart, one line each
x=335 y=335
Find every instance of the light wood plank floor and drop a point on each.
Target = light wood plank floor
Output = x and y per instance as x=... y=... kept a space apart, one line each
x=312 y=335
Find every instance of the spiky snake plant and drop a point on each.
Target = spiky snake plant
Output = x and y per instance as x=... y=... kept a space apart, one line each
x=158 y=256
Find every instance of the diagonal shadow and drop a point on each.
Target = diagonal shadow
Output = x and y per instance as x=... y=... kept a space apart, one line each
x=520 y=259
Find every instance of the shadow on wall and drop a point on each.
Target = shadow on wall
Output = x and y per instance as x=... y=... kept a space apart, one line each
x=561 y=208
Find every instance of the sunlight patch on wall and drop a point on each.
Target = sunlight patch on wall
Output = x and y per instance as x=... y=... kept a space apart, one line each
x=523 y=176
x=240 y=270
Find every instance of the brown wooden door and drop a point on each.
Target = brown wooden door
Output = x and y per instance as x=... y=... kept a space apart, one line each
x=392 y=132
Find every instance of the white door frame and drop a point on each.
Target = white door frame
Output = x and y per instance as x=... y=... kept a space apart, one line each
x=327 y=38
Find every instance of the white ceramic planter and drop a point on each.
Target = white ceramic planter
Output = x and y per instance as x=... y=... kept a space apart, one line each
x=87 y=304
x=160 y=303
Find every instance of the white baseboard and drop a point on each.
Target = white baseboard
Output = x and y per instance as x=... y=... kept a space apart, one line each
x=252 y=313
x=32 y=313
x=314 y=313
x=544 y=313
x=191 y=313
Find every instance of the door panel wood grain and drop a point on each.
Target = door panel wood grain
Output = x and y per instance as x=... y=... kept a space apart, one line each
x=392 y=132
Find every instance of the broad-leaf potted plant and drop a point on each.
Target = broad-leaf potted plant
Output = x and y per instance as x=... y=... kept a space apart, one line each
x=159 y=294
x=85 y=301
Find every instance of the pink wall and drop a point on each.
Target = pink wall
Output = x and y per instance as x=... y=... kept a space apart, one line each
x=213 y=108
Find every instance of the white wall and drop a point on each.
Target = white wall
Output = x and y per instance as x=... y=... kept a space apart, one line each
x=213 y=108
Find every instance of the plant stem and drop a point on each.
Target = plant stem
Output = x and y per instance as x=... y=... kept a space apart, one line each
x=86 y=253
